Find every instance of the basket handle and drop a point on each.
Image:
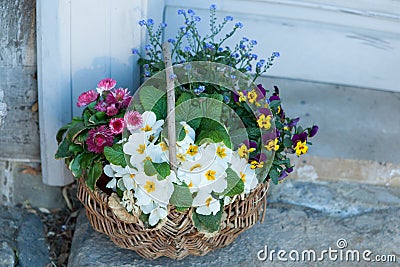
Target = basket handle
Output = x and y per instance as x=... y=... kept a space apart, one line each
x=169 y=76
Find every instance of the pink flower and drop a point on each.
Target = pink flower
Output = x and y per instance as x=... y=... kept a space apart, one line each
x=98 y=138
x=106 y=85
x=120 y=97
x=101 y=106
x=133 y=120
x=117 y=125
x=112 y=110
x=87 y=98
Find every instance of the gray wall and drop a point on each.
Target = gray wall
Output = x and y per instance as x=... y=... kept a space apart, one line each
x=20 y=174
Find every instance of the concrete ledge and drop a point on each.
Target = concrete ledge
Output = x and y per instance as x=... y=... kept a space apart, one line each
x=300 y=216
x=311 y=168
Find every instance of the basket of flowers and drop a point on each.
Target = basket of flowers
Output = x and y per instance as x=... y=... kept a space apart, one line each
x=182 y=166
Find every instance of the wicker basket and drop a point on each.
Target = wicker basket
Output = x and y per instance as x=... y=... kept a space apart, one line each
x=178 y=237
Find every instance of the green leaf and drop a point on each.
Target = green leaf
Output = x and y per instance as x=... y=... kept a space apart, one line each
x=216 y=136
x=207 y=223
x=115 y=155
x=153 y=99
x=61 y=132
x=86 y=160
x=75 y=130
x=93 y=174
x=75 y=166
x=160 y=108
x=63 y=150
x=75 y=148
x=274 y=175
x=235 y=184
x=184 y=97
x=287 y=142
x=149 y=169
x=161 y=169
x=274 y=103
x=190 y=112
x=212 y=108
x=181 y=197
x=100 y=115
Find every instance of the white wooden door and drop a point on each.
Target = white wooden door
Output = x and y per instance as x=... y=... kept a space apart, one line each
x=81 y=42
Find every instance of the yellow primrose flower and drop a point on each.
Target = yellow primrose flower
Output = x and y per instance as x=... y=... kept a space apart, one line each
x=264 y=121
x=301 y=148
x=252 y=96
x=242 y=97
x=255 y=164
x=244 y=152
x=272 y=145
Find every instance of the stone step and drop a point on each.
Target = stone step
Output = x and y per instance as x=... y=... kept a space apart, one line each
x=22 y=239
x=300 y=216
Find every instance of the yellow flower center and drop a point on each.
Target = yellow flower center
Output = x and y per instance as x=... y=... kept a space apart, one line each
x=190 y=185
x=210 y=175
x=242 y=97
x=208 y=201
x=301 y=148
x=264 y=121
x=181 y=157
x=132 y=175
x=164 y=146
x=252 y=96
x=192 y=150
x=221 y=152
x=150 y=187
x=141 y=149
x=147 y=128
x=243 y=177
x=195 y=166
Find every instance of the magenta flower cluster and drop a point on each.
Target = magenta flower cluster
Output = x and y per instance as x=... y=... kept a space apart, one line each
x=109 y=100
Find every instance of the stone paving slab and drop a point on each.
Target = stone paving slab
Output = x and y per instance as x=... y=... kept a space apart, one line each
x=301 y=216
x=22 y=240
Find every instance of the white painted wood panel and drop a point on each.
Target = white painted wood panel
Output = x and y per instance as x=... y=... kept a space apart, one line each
x=354 y=43
x=54 y=84
x=80 y=43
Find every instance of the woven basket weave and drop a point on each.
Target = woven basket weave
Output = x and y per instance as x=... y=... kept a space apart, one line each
x=178 y=237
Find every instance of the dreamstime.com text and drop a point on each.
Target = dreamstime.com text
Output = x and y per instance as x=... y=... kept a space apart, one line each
x=339 y=253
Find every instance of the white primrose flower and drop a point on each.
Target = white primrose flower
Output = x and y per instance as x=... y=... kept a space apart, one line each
x=128 y=177
x=110 y=170
x=136 y=148
x=159 y=191
x=222 y=153
x=151 y=126
x=143 y=200
x=208 y=171
x=129 y=202
x=245 y=172
x=205 y=203
x=157 y=214
x=188 y=130
x=158 y=153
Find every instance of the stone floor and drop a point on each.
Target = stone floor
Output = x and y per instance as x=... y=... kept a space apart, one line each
x=301 y=216
x=22 y=240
